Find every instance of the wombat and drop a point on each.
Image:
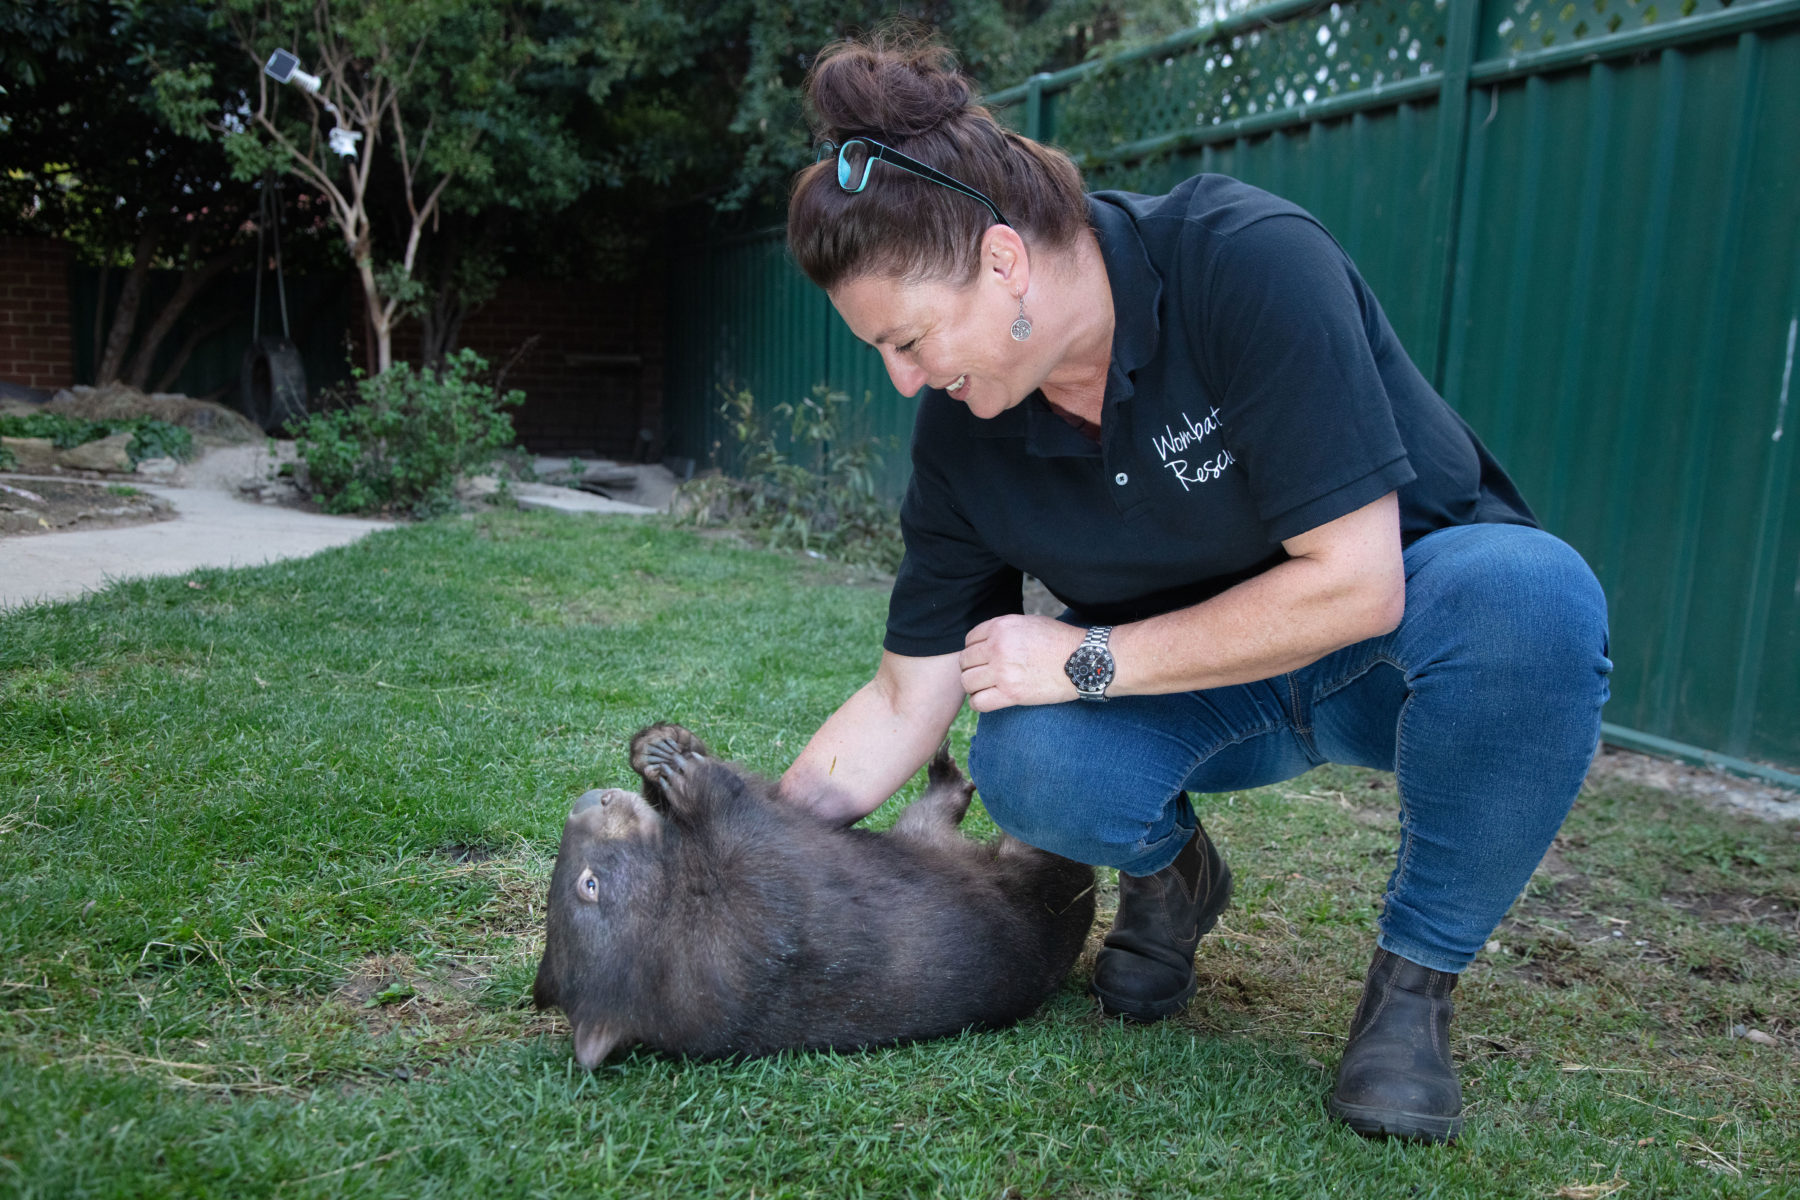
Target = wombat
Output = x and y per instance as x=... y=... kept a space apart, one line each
x=707 y=918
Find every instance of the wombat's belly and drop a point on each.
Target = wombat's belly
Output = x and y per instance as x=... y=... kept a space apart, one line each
x=928 y=959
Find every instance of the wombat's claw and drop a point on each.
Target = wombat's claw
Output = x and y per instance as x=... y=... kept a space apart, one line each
x=663 y=751
x=662 y=761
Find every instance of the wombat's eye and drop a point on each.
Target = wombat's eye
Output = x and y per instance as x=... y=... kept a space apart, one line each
x=587 y=886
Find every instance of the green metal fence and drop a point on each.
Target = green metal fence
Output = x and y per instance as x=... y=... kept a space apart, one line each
x=1583 y=218
x=742 y=316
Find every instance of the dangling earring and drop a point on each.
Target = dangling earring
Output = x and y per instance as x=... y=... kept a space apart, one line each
x=1021 y=328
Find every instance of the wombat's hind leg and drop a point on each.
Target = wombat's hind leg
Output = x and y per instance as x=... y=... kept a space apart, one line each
x=662 y=752
x=937 y=813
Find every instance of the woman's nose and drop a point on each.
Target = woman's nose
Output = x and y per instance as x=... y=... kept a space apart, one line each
x=908 y=376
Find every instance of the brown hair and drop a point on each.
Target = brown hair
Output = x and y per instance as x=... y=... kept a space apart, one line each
x=902 y=89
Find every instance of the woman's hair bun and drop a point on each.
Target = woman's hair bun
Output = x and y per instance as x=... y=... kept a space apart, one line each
x=897 y=84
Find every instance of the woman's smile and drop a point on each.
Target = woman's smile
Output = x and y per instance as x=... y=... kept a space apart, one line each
x=938 y=335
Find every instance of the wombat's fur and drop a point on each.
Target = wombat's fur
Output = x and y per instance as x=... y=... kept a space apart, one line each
x=708 y=918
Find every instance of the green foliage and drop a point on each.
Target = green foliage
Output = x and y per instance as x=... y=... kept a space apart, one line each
x=804 y=480
x=999 y=43
x=95 y=149
x=402 y=444
x=152 y=438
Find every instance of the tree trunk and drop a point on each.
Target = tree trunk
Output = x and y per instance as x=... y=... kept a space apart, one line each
x=100 y=310
x=195 y=336
x=194 y=280
x=381 y=334
x=440 y=325
x=381 y=326
x=125 y=313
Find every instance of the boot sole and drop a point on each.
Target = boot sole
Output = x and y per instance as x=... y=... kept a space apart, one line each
x=1147 y=1014
x=1388 y=1122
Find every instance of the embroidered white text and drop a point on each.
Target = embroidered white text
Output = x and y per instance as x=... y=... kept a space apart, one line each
x=1172 y=441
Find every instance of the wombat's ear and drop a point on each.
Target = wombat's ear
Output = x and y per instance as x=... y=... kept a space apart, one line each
x=593 y=1042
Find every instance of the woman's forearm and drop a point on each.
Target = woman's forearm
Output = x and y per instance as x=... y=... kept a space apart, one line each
x=1345 y=582
x=877 y=739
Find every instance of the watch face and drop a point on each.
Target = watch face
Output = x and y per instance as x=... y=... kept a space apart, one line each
x=1090 y=669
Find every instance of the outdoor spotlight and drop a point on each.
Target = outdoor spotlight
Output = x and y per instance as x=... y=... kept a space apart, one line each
x=284 y=67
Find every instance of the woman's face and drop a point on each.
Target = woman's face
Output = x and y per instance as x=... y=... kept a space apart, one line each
x=935 y=334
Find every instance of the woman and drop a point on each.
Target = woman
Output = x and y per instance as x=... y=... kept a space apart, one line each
x=1188 y=417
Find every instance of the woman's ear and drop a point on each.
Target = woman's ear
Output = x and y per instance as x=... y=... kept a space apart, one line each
x=1005 y=259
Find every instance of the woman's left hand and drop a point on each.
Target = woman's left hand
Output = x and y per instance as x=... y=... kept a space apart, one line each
x=1018 y=660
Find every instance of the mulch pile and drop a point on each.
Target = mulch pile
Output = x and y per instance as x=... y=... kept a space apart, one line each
x=209 y=421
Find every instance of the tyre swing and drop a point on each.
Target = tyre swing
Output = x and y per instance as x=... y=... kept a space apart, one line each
x=272 y=377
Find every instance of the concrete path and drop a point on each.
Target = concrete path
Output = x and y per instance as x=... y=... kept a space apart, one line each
x=211 y=528
x=214 y=526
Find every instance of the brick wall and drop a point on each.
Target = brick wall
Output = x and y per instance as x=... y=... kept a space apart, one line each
x=587 y=379
x=37 y=346
x=593 y=377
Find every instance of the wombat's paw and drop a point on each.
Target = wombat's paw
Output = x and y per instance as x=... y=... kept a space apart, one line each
x=663 y=752
x=938 y=811
x=942 y=770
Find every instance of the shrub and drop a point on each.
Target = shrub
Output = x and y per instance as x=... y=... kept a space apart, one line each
x=401 y=445
x=151 y=438
x=803 y=481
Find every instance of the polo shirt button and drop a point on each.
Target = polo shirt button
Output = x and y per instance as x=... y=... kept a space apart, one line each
x=1121 y=479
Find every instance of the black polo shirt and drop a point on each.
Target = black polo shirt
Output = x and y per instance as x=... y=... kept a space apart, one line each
x=1256 y=391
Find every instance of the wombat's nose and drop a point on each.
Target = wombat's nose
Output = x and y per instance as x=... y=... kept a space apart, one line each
x=588 y=799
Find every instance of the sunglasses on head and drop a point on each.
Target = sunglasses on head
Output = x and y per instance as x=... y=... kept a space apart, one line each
x=858 y=156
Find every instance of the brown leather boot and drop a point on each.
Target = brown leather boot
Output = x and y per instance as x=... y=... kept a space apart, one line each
x=1397 y=1078
x=1145 y=970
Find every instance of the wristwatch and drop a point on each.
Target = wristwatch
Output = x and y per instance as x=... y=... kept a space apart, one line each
x=1090 y=668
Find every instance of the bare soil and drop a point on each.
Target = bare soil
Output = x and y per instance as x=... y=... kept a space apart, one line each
x=35 y=505
x=1713 y=788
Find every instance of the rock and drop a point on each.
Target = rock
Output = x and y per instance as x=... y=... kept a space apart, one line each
x=159 y=468
x=558 y=499
x=1758 y=1037
x=610 y=475
x=477 y=487
x=32 y=455
x=107 y=454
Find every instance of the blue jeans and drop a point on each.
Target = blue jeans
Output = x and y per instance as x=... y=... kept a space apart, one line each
x=1485 y=703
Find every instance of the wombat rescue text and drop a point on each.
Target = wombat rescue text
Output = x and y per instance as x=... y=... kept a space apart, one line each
x=707 y=918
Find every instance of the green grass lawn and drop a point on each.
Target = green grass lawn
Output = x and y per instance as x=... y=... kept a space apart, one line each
x=274 y=845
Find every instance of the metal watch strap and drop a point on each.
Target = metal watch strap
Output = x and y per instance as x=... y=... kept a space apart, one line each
x=1092 y=659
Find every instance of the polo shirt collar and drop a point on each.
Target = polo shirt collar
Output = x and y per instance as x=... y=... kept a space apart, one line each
x=1137 y=328
x=1136 y=286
